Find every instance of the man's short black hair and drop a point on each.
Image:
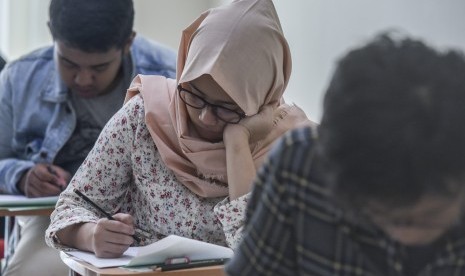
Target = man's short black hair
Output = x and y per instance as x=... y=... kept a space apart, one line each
x=393 y=126
x=92 y=25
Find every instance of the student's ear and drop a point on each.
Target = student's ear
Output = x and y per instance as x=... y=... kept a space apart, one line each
x=49 y=25
x=129 y=42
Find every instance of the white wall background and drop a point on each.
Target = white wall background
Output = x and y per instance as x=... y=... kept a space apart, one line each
x=23 y=23
x=319 y=31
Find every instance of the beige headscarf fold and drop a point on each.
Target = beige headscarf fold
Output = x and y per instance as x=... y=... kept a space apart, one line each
x=242 y=47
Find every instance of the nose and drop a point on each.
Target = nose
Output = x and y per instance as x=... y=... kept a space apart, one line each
x=83 y=78
x=207 y=116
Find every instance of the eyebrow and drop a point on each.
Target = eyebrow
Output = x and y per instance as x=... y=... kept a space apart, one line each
x=217 y=102
x=94 y=65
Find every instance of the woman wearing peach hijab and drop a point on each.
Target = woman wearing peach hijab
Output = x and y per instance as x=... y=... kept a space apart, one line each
x=180 y=156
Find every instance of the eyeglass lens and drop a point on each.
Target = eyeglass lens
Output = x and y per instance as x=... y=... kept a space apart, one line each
x=195 y=101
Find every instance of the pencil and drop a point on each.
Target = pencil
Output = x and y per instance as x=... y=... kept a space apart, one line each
x=107 y=215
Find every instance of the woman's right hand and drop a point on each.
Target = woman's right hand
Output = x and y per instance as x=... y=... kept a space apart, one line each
x=110 y=238
x=106 y=238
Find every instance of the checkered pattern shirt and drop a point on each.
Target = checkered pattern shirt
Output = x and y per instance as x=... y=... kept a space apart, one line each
x=292 y=228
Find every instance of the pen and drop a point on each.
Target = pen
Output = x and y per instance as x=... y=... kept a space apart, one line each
x=83 y=196
x=193 y=264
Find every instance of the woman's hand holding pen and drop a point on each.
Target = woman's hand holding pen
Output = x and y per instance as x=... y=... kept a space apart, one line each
x=44 y=180
x=110 y=238
x=107 y=238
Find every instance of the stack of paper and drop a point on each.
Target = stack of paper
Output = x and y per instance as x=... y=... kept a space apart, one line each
x=156 y=253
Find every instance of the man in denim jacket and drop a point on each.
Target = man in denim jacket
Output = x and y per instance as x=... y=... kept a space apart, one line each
x=55 y=101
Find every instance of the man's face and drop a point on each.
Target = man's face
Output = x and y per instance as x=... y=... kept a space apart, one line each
x=88 y=74
x=422 y=223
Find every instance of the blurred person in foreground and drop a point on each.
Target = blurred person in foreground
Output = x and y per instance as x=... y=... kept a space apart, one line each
x=379 y=187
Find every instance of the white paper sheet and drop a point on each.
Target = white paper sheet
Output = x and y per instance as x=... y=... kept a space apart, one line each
x=170 y=247
x=105 y=262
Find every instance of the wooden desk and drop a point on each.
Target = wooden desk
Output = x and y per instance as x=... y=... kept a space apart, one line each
x=80 y=267
x=24 y=211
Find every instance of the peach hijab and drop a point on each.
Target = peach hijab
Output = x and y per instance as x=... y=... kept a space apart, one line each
x=242 y=47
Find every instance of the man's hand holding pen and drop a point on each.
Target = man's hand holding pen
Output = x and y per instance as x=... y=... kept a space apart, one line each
x=43 y=180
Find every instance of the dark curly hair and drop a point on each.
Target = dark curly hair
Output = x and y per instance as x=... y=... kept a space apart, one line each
x=393 y=125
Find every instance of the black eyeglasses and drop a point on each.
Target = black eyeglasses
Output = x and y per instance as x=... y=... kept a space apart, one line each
x=224 y=114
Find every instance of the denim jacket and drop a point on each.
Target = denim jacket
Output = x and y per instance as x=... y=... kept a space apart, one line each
x=36 y=114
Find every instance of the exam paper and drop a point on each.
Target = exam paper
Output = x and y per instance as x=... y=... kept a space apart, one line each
x=170 y=247
x=105 y=262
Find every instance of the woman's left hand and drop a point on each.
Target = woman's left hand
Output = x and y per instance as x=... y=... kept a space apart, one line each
x=255 y=127
x=237 y=139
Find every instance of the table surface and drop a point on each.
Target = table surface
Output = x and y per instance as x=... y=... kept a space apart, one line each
x=19 y=205
x=87 y=269
x=26 y=211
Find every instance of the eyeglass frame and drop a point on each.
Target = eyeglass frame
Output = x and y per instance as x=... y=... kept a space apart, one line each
x=206 y=103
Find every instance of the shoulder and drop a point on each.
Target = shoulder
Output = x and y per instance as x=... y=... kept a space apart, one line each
x=37 y=57
x=128 y=124
x=37 y=62
x=129 y=118
x=33 y=69
x=297 y=143
x=151 y=57
x=293 y=162
x=303 y=135
x=133 y=109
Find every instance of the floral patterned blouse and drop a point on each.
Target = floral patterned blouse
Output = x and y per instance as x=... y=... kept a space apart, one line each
x=125 y=173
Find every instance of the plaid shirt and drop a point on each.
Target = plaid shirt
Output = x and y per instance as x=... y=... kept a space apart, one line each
x=292 y=228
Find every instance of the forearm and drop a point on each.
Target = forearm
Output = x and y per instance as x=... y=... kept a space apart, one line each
x=77 y=236
x=11 y=171
x=240 y=166
x=11 y=168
